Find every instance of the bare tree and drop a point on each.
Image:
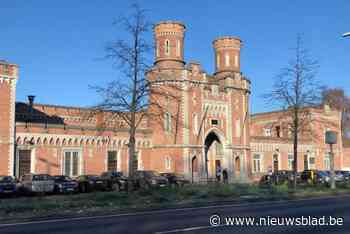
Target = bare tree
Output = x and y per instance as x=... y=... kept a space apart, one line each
x=295 y=90
x=131 y=96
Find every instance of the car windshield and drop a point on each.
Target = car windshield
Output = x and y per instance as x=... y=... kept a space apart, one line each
x=151 y=173
x=6 y=179
x=322 y=173
x=92 y=177
x=41 y=177
x=62 y=178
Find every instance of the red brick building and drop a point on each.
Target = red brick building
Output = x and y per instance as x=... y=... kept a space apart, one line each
x=211 y=122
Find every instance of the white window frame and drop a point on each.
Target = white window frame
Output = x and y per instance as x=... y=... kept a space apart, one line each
x=258 y=162
x=267 y=132
x=79 y=169
x=167 y=122
x=290 y=162
x=327 y=161
x=167 y=163
x=311 y=166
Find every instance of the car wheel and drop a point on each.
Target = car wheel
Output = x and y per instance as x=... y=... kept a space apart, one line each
x=83 y=188
x=146 y=186
x=115 y=187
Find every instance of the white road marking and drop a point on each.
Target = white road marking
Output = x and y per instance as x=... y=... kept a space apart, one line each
x=271 y=203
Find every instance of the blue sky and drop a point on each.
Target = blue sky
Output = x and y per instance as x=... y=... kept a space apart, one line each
x=58 y=44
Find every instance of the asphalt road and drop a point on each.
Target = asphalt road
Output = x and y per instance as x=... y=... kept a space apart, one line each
x=196 y=220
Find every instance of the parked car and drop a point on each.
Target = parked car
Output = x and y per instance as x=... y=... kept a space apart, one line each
x=37 y=183
x=315 y=177
x=89 y=183
x=175 y=179
x=7 y=185
x=115 y=180
x=64 y=184
x=149 y=179
x=346 y=175
x=283 y=176
x=338 y=176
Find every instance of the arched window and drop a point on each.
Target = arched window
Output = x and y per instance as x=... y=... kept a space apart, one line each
x=167 y=122
x=167 y=47
x=167 y=163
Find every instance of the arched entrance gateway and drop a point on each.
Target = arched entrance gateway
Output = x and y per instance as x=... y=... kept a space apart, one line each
x=213 y=154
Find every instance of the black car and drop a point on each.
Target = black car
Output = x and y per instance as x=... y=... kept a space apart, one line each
x=115 y=181
x=7 y=185
x=89 y=183
x=149 y=179
x=64 y=184
x=175 y=179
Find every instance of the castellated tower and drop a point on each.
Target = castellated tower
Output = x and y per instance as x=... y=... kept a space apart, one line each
x=227 y=54
x=8 y=79
x=169 y=44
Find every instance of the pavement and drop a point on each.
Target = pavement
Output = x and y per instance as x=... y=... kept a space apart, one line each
x=197 y=220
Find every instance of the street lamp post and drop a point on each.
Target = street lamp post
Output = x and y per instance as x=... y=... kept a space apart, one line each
x=331 y=139
x=346 y=34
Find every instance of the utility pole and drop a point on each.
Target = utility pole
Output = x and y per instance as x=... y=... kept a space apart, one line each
x=331 y=139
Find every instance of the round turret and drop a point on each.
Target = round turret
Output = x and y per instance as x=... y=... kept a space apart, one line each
x=169 y=38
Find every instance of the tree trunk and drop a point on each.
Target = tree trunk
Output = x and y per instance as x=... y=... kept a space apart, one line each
x=131 y=148
x=295 y=149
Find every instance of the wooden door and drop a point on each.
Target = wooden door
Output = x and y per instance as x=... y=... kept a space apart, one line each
x=24 y=162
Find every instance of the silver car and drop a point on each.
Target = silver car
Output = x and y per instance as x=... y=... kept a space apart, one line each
x=37 y=183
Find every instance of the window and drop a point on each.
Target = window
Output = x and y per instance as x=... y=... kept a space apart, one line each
x=257 y=163
x=290 y=161
x=236 y=60
x=112 y=161
x=167 y=122
x=167 y=163
x=312 y=161
x=214 y=122
x=71 y=163
x=219 y=148
x=278 y=131
x=327 y=161
x=157 y=49
x=167 y=47
x=227 y=60
x=267 y=132
x=215 y=90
